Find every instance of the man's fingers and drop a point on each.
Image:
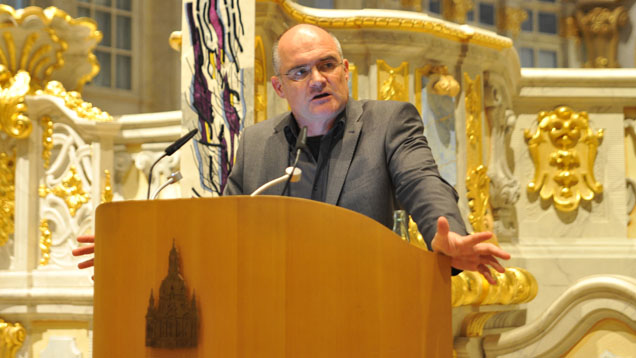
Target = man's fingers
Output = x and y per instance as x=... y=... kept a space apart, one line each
x=486 y=273
x=86 y=264
x=86 y=238
x=489 y=260
x=84 y=250
x=442 y=226
x=488 y=249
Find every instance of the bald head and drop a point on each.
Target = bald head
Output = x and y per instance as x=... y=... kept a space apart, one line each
x=300 y=32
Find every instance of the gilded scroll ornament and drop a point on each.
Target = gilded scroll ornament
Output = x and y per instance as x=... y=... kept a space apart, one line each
x=514 y=286
x=433 y=27
x=510 y=19
x=7 y=196
x=70 y=190
x=47 y=140
x=73 y=100
x=563 y=150
x=600 y=30
x=455 y=10
x=46 y=240
x=260 y=81
x=49 y=42
x=12 y=336
x=440 y=82
x=13 y=121
x=478 y=194
x=393 y=81
x=107 y=193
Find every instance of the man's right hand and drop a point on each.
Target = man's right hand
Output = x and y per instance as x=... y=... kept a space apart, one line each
x=85 y=250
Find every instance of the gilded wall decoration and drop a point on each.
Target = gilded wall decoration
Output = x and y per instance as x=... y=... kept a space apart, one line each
x=175 y=40
x=70 y=190
x=12 y=336
x=429 y=26
x=477 y=180
x=73 y=101
x=50 y=44
x=7 y=196
x=353 y=80
x=107 y=192
x=563 y=149
x=510 y=20
x=45 y=242
x=47 y=140
x=13 y=121
x=455 y=10
x=600 y=30
x=514 y=286
x=393 y=81
x=260 y=81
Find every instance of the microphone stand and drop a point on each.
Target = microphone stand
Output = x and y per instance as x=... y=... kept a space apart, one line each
x=301 y=143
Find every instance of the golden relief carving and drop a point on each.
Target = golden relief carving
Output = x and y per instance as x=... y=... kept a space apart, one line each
x=473 y=324
x=353 y=79
x=175 y=40
x=45 y=44
x=107 y=193
x=455 y=10
x=600 y=30
x=563 y=150
x=260 y=82
x=47 y=140
x=510 y=19
x=46 y=240
x=436 y=28
x=12 y=336
x=477 y=180
x=440 y=82
x=7 y=196
x=73 y=100
x=12 y=107
x=70 y=190
x=514 y=286
x=393 y=81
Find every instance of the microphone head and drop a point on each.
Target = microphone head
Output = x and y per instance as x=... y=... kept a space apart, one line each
x=301 y=141
x=180 y=142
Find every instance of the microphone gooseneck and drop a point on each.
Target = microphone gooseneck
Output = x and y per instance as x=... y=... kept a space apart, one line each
x=301 y=142
x=170 y=151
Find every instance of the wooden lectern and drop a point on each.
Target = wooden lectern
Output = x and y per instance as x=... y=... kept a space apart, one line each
x=269 y=277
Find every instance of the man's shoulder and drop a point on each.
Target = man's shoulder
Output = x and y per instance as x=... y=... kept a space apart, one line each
x=381 y=105
x=267 y=126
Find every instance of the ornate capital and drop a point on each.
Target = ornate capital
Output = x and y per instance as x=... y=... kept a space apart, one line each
x=455 y=10
x=13 y=121
x=563 y=149
x=600 y=29
x=12 y=336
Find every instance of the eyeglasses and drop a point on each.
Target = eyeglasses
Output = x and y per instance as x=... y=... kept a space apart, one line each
x=325 y=67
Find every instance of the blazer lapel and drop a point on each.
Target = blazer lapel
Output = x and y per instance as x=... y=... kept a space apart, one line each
x=338 y=170
x=278 y=150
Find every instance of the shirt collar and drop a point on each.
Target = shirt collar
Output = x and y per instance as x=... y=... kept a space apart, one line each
x=292 y=130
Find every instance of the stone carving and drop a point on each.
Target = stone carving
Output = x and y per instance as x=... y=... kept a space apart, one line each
x=173 y=322
x=563 y=149
x=13 y=121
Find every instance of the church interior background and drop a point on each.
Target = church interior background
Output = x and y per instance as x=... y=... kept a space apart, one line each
x=529 y=106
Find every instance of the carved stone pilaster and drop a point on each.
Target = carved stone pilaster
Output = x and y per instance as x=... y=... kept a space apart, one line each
x=599 y=24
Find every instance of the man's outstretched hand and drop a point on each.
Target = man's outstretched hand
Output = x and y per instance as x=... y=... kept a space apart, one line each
x=469 y=252
x=85 y=250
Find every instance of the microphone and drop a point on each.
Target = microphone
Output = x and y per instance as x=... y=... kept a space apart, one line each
x=301 y=142
x=170 y=151
x=180 y=142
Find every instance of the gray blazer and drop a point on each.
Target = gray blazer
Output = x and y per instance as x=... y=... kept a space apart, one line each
x=382 y=163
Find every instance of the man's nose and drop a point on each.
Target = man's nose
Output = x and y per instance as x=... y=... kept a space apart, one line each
x=316 y=78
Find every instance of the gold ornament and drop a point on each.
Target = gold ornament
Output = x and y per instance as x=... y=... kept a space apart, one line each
x=12 y=107
x=47 y=140
x=7 y=196
x=393 y=81
x=514 y=286
x=73 y=100
x=70 y=190
x=353 y=75
x=107 y=193
x=563 y=150
x=46 y=240
x=600 y=30
x=435 y=28
x=175 y=40
x=12 y=336
x=455 y=10
x=511 y=19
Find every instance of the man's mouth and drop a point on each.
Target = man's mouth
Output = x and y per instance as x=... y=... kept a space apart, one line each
x=320 y=95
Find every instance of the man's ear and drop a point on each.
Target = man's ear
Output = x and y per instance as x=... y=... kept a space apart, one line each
x=278 y=86
x=345 y=64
